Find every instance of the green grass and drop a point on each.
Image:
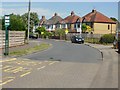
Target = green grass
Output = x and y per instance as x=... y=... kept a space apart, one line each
x=37 y=48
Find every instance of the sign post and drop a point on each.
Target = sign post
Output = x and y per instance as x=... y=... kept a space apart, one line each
x=7 y=23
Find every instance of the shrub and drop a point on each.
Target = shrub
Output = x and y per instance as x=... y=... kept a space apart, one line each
x=107 y=38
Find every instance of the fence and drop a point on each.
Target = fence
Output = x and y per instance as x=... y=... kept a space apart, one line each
x=15 y=38
x=84 y=35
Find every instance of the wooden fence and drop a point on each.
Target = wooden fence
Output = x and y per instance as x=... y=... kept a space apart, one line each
x=86 y=36
x=15 y=38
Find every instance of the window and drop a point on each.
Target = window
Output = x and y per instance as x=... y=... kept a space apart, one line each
x=91 y=25
x=63 y=25
x=69 y=26
x=51 y=26
x=48 y=26
x=74 y=25
x=78 y=25
x=108 y=27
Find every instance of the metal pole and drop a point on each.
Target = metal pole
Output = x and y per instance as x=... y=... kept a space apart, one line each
x=28 y=21
x=6 y=41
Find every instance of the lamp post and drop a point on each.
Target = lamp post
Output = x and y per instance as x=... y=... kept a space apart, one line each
x=28 y=21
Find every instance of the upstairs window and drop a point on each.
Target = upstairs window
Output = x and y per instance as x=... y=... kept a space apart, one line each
x=78 y=25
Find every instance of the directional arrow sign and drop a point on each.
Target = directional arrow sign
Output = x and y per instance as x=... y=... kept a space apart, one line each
x=7 y=20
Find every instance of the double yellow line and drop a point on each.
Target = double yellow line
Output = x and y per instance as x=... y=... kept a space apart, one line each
x=13 y=59
x=7 y=81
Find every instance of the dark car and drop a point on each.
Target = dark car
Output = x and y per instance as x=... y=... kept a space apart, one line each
x=77 y=39
x=33 y=36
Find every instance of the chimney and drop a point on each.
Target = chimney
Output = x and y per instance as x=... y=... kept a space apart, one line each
x=93 y=10
x=55 y=14
x=72 y=13
x=43 y=17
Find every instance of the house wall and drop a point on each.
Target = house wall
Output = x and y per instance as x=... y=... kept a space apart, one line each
x=102 y=28
x=51 y=27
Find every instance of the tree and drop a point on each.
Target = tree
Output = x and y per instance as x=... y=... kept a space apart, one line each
x=84 y=28
x=114 y=19
x=89 y=29
x=41 y=31
x=60 y=33
x=16 y=23
x=34 y=20
x=0 y=24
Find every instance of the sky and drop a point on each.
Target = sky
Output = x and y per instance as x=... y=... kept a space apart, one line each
x=63 y=9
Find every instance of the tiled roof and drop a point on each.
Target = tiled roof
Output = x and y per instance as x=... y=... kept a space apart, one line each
x=54 y=19
x=71 y=18
x=96 y=16
x=43 y=20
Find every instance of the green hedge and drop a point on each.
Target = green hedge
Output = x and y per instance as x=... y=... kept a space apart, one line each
x=107 y=38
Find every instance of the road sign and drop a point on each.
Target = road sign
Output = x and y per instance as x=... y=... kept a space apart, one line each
x=7 y=23
x=7 y=20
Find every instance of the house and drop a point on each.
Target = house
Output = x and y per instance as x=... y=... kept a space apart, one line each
x=50 y=24
x=99 y=23
x=43 y=21
x=71 y=22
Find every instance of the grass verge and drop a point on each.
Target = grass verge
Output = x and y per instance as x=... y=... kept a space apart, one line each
x=37 y=48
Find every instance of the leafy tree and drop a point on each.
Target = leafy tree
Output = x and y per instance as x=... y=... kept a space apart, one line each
x=16 y=23
x=84 y=28
x=60 y=33
x=89 y=29
x=0 y=24
x=34 y=20
x=114 y=19
x=40 y=30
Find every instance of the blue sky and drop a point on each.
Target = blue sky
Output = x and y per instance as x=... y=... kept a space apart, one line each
x=63 y=9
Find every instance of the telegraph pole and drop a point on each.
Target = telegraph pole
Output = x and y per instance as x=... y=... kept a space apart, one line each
x=28 y=20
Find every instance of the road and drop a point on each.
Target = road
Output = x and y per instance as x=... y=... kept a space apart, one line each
x=65 y=65
x=67 y=51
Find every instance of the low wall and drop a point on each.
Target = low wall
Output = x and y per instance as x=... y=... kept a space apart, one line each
x=15 y=38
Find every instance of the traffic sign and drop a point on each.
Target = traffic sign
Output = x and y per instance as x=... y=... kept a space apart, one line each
x=7 y=20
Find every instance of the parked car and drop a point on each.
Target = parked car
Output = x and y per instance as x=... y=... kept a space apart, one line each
x=33 y=36
x=77 y=39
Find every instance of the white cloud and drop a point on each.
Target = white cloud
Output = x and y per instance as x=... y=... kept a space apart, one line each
x=40 y=11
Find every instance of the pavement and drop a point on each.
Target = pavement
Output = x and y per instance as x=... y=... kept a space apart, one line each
x=32 y=43
x=107 y=75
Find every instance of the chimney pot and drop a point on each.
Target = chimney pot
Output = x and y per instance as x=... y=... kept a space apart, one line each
x=72 y=13
x=43 y=17
x=55 y=14
x=93 y=10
